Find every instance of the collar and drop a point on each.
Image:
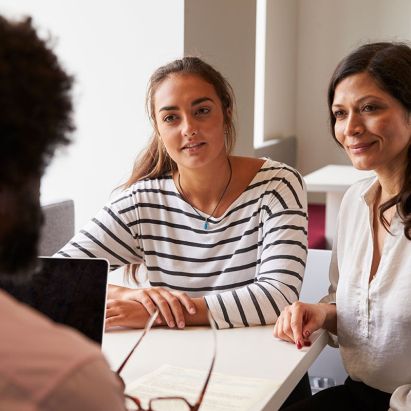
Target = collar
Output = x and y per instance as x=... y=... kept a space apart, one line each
x=370 y=193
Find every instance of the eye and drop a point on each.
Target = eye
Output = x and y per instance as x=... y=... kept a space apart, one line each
x=369 y=108
x=169 y=118
x=203 y=111
x=338 y=114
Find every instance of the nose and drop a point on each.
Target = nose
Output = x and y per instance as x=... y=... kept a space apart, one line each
x=189 y=128
x=354 y=125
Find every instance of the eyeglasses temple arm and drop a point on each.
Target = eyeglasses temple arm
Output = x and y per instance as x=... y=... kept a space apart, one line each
x=147 y=327
x=202 y=393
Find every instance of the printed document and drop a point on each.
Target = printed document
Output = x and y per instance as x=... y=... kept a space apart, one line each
x=224 y=392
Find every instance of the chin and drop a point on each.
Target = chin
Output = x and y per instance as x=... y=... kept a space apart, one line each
x=362 y=164
x=364 y=167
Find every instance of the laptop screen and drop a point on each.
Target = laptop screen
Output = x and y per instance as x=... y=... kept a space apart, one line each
x=71 y=291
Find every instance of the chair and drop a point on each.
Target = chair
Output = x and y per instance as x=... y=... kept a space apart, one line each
x=58 y=227
x=315 y=286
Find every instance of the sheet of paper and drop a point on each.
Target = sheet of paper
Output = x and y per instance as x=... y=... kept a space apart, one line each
x=224 y=393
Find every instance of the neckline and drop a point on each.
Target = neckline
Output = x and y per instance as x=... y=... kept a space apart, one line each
x=211 y=215
x=231 y=206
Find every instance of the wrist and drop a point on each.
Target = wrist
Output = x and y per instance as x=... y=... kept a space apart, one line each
x=201 y=315
x=330 y=317
x=116 y=292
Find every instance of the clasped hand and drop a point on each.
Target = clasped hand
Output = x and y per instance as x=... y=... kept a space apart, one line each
x=132 y=307
x=299 y=320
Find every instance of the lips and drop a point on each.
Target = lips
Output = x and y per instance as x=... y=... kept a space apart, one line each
x=361 y=147
x=193 y=146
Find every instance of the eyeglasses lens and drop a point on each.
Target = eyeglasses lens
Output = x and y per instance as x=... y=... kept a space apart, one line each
x=172 y=404
x=161 y=404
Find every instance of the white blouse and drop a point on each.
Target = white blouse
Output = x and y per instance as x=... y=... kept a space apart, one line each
x=373 y=318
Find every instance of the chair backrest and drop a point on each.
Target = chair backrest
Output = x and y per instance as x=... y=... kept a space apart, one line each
x=58 y=227
x=315 y=286
x=316 y=282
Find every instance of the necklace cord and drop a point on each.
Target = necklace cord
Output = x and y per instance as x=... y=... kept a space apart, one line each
x=206 y=219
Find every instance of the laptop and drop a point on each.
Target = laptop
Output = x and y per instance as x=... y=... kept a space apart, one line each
x=71 y=291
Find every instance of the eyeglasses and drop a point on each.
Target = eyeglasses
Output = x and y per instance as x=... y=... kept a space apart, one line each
x=166 y=403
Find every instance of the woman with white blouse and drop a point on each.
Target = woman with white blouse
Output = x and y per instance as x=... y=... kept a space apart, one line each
x=368 y=309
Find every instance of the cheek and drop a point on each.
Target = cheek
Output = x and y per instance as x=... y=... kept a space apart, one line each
x=382 y=127
x=171 y=142
x=165 y=132
x=339 y=132
x=388 y=126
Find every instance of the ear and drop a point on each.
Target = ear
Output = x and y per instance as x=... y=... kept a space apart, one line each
x=229 y=113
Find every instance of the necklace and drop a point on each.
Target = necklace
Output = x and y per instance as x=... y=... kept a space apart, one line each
x=206 y=219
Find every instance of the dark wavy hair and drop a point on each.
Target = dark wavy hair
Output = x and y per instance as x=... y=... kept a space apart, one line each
x=389 y=64
x=35 y=102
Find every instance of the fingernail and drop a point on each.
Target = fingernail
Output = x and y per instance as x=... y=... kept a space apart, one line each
x=171 y=324
x=192 y=310
x=299 y=345
x=158 y=321
x=181 y=324
x=307 y=343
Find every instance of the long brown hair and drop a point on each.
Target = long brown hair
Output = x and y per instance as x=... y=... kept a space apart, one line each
x=154 y=160
x=389 y=64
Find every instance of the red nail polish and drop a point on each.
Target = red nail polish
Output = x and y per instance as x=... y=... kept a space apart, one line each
x=299 y=346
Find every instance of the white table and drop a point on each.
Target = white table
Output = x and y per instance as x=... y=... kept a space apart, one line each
x=333 y=180
x=246 y=352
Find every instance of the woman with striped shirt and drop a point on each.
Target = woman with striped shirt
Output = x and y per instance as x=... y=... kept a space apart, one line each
x=213 y=231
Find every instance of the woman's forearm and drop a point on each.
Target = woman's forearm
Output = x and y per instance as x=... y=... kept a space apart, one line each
x=198 y=317
x=116 y=292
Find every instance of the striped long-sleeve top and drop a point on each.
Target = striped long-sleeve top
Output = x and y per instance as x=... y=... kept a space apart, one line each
x=248 y=264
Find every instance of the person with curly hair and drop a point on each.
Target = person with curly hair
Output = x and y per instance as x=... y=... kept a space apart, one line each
x=43 y=366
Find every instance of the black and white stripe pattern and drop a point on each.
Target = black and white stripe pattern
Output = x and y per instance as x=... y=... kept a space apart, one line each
x=249 y=264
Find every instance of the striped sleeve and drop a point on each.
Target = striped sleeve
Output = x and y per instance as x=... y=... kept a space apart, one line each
x=108 y=235
x=280 y=264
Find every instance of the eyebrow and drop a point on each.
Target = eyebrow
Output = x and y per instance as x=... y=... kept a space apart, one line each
x=194 y=103
x=359 y=100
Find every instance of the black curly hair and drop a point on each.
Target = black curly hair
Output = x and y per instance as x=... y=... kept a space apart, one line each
x=35 y=118
x=35 y=102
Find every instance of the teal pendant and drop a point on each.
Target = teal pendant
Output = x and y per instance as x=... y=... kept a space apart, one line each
x=205 y=225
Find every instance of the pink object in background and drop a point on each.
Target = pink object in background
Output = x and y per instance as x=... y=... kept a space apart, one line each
x=316 y=226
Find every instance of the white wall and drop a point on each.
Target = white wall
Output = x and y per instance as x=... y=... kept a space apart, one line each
x=275 y=83
x=327 y=31
x=281 y=69
x=223 y=33
x=111 y=48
